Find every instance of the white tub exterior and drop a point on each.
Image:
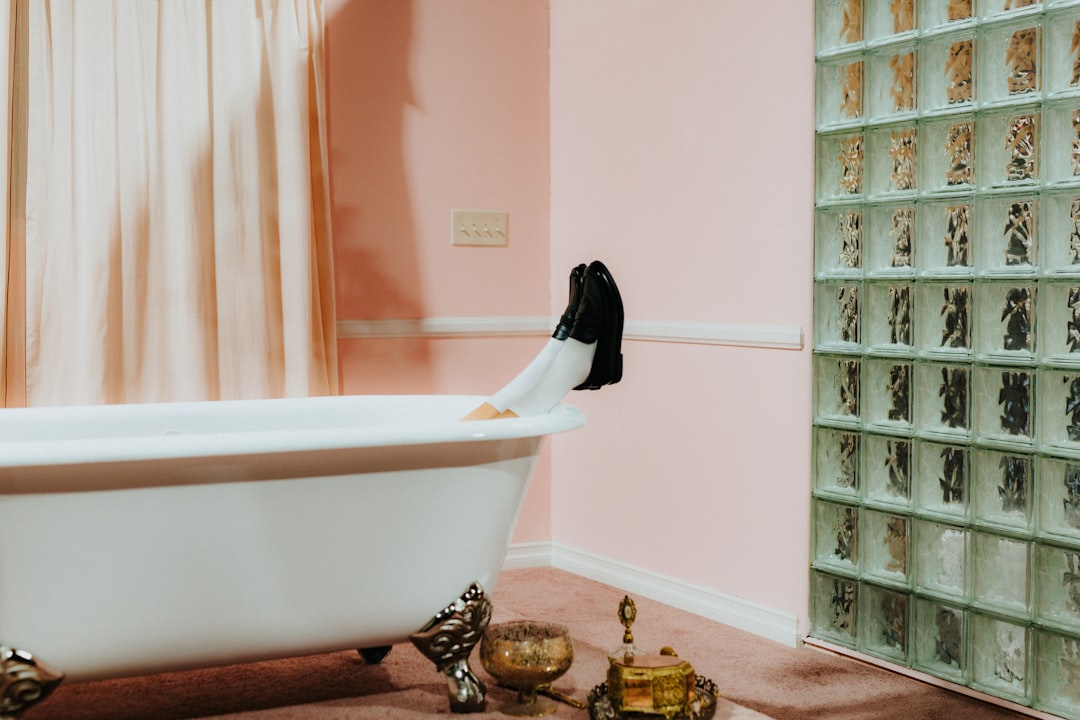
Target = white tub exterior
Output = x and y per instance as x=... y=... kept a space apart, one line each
x=144 y=538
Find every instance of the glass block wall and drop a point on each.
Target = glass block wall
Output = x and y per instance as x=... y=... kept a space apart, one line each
x=946 y=497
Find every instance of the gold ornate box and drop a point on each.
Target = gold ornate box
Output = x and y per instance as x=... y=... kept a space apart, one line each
x=643 y=684
x=651 y=684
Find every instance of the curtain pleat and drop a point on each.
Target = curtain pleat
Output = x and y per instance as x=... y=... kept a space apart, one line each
x=178 y=236
x=7 y=51
x=13 y=38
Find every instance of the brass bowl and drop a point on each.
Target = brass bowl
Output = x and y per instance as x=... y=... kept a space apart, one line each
x=525 y=655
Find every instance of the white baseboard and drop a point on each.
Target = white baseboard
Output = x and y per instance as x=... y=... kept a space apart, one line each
x=528 y=555
x=727 y=609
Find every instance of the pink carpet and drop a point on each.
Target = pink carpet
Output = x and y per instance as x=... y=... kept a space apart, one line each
x=757 y=678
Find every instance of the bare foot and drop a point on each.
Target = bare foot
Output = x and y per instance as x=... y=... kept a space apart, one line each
x=487 y=411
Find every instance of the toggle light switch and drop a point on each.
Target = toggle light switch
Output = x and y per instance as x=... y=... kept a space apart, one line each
x=478 y=227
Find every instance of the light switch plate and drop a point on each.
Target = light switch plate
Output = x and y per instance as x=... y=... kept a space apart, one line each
x=478 y=227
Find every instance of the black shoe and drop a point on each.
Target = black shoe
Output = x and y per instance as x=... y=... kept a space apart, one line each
x=577 y=279
x=599 y=319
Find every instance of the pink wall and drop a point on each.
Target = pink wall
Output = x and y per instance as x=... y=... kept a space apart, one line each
x=672 y=140
x=434 y=106
x=681 y=154
x=438 y=105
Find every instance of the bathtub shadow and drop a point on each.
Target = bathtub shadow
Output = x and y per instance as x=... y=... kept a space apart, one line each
x=245 y=688
x=339 y=684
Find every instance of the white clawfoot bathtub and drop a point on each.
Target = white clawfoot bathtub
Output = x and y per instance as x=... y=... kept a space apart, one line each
x=145 y=538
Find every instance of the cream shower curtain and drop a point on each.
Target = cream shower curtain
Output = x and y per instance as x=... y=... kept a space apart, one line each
x=7 y=51
x=177 y=239
x=12 y=183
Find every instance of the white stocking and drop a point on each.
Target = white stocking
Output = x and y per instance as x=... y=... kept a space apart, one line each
x=569 y=369
x=528 y=377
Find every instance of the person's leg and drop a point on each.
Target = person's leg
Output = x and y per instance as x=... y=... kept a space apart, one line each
x=588 y=359
x=535 y=370
x=520 y=385
x=568 y=370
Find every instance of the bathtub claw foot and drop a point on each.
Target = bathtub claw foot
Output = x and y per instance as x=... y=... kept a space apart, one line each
x=449 y=639
x=24 y=682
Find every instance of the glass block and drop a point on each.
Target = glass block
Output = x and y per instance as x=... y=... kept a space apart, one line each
x=960 y=249
x=1007 y=147
x=993 y=9
x=1008 y=234
x=1000 y=657
x=887 y=394
x=838 y=242
x=947 y=72
x=1003 y=410
x=836 y=389
x=890 y=19
x=1005 y=314
x=1060 y=231
x=1003 y=489
x=1061 y=142
x=945 y=235
x=884 y=552
x=891 y=157
x=888 y=310
x=891 y=83
x=936 y=15
x=886 y=470
x=839 y=166
x=1009 y=62
x=884 y=623
x=941 y=559
x=945 y=313
x=943 y=400
x=833 y=608
x=839 y=91
x=889 y=239
x=836 y=535
x=1001 y=570
x=1057 y=587
x=947 y=153
x=941 y=639
x=1058 y=410
x=1059 y=321
x=837 y=317
x=942 y=480
x=836 y=462
x=1057 y=673
x=1059 y=499
x=839 y=24
x=1061 y=55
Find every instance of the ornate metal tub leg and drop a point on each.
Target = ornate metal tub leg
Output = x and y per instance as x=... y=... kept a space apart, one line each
x=24 y=681
x=449 y=639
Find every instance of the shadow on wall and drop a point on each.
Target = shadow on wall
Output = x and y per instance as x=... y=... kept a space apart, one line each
x=369 y=91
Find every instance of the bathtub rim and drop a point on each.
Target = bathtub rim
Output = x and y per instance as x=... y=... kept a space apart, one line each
x=53 y=453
